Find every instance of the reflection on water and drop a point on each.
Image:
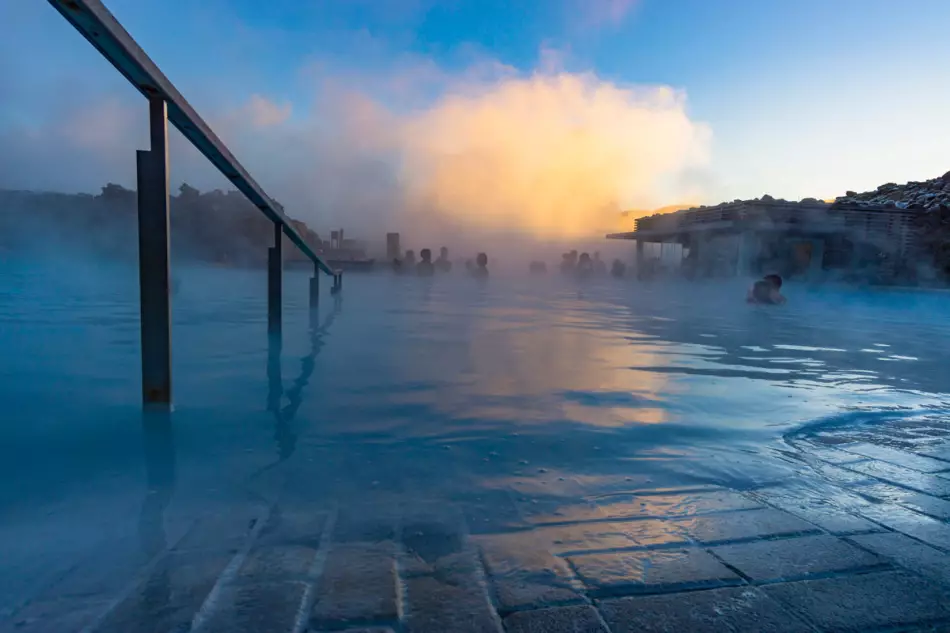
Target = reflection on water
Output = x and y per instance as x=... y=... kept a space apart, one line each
x=159 y=452
x=284 y=432
x=514 y=397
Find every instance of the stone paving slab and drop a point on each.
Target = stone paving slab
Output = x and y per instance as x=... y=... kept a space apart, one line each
x=673 y=505
x=269 y=563
x=438 y=604
x=293 y=528
x=908 y=553
x=918 y=501
x=358 y=585
x=840 y=475
x=574 y=619
x=653 y=570
x=228 y=530
x=366 y=523
x=430 y=546
x=580 y=537
x=555 y=511
x=825 y=454
x=735 y=609
x=932 y=484
x=171 y=595
x=897 y=457
x=864 y=602
x=821 y=507
x=265 y=606
x=795 y=558
x=490 y=512
x=930 y=531
x=451 y=596
x=747 y=524
x=525 y=576
x=941 y=451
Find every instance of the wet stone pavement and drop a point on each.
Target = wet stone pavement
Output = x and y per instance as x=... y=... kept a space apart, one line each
x=860 y=541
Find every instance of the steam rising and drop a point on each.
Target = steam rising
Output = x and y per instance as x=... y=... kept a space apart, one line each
x=550 y=156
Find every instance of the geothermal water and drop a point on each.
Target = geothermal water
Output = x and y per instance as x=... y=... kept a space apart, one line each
x=406 y=389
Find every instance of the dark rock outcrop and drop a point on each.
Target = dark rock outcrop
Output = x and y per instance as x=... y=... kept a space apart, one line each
x=928 y=195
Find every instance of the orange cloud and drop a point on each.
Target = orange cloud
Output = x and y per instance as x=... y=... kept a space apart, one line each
x=551 y=156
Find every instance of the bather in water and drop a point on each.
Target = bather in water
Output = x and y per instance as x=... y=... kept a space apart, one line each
x=585 y=266
x=442 y=264
x=480 y=270
x=425 y=268
x=618 y=269
x=766 y=291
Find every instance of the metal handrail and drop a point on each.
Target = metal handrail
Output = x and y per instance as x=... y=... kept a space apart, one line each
x=100 y=28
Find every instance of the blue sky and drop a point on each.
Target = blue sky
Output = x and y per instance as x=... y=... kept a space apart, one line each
x=803 y=98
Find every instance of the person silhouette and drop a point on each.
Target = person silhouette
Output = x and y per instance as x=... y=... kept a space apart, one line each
x=425 y=267
x=766 y=291
x=443 y=264
x=585 y=266
x=481 y=266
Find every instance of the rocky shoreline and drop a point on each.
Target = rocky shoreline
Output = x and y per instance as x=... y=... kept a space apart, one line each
x=928 y=195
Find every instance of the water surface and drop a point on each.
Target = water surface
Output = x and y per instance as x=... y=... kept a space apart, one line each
x=407 y=389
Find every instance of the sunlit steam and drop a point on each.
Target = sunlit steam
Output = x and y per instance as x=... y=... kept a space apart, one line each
x=548 y=156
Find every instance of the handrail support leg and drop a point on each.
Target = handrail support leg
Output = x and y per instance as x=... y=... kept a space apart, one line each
x=154 y=271
x=275 y=264
x=315 y=287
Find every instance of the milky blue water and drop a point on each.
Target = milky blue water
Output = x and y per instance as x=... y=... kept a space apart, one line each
x=408 y=388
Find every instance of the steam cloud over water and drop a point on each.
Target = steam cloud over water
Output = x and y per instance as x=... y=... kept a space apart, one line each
x=550 y=156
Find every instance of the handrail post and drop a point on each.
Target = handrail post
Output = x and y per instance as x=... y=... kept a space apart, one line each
x=154 y=296
x=315 y=287
x=275 y=264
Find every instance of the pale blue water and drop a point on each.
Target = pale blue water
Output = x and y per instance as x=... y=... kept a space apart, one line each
x=408 y=388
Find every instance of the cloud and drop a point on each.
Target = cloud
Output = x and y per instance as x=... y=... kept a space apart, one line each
x=550 y=156
x=547 y=155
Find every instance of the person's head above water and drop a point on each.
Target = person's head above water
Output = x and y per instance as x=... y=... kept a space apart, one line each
x=766 y=290
x=585 y=257
x=482 y=260
x=425 y=254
